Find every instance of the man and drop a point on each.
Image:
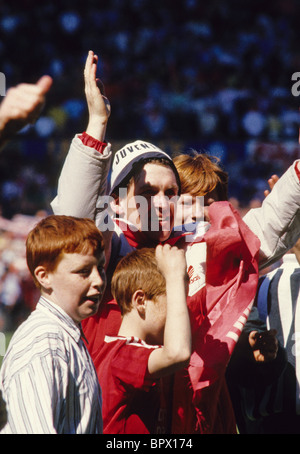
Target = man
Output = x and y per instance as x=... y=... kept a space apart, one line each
x=210 y=256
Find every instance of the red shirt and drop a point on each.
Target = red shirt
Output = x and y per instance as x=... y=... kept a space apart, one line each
x=131 y=398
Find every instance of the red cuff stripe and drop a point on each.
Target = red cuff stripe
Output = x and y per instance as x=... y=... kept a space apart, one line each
x=297 y=170
x=89 y=141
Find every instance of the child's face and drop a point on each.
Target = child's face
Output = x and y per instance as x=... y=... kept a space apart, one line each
x=189 y=209
x=77 y=285
x=156 y=313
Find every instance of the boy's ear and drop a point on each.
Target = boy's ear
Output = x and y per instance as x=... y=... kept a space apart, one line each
x=139 y=301
x=42 y=276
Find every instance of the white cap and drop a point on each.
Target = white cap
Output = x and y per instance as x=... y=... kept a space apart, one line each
x=128 y=155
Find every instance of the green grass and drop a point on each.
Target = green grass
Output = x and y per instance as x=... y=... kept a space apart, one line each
x=8 y=336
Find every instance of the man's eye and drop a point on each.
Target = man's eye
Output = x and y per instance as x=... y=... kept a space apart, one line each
x=100 y=267
x=84 y=272
x=170 y=193
x=148 y=193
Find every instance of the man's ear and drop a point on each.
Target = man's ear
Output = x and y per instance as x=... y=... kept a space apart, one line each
x=42 y=276
x=139 y=301
x=116 y=206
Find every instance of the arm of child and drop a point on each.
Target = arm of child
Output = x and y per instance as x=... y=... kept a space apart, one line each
x=176 y=350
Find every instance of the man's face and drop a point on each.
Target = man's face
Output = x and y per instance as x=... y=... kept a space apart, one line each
x=149 y=205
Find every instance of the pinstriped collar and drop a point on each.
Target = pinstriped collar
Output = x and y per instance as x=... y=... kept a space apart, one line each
x=62 y=317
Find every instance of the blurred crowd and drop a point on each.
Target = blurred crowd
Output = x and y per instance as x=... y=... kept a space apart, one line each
x=18 y=294
x=213 y=76
x=201 y=69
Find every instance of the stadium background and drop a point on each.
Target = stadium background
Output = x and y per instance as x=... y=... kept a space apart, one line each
x=213 y=76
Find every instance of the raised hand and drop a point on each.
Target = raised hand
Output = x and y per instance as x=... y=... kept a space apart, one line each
x=171 y=262
x=271 y=183
x=22 y=105
x=98 y=104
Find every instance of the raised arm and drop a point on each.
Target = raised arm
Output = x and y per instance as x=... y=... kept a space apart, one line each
x=83 y=178
x=277 y=221
x=176 y=350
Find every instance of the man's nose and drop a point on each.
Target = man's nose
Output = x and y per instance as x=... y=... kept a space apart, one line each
x=161 y=201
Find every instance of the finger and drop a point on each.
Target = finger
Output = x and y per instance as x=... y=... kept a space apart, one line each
x=22 y=101
x=45 y=83
x=91 y=88
x=91 y=65
x=272 y=181
x=88 y=60
x=87 y=68
x=94 y=66
x=166 y=247
x=25 y=90
x=158 y=249
x=258 y=356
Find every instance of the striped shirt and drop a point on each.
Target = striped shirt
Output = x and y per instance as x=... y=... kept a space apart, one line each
x=278 y=303
x=48 y=379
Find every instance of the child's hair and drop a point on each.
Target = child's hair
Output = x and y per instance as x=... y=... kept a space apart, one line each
x=200 y=174
x=137 y=271
x=55 y=235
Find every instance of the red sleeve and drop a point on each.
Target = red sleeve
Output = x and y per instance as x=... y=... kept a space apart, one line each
x=89 y=141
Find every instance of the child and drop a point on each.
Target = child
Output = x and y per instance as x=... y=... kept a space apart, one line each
x=154 y=339
x=47 y=377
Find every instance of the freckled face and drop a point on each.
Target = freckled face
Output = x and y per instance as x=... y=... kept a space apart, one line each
x=156 y=314
x=189 y=209
x=77 y=284
x=193 y=209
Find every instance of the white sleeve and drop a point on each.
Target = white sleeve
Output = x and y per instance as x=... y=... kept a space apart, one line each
x=82 y=180
x=277 y=221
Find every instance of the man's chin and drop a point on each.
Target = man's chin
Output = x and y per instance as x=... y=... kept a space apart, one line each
x=160 y=236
